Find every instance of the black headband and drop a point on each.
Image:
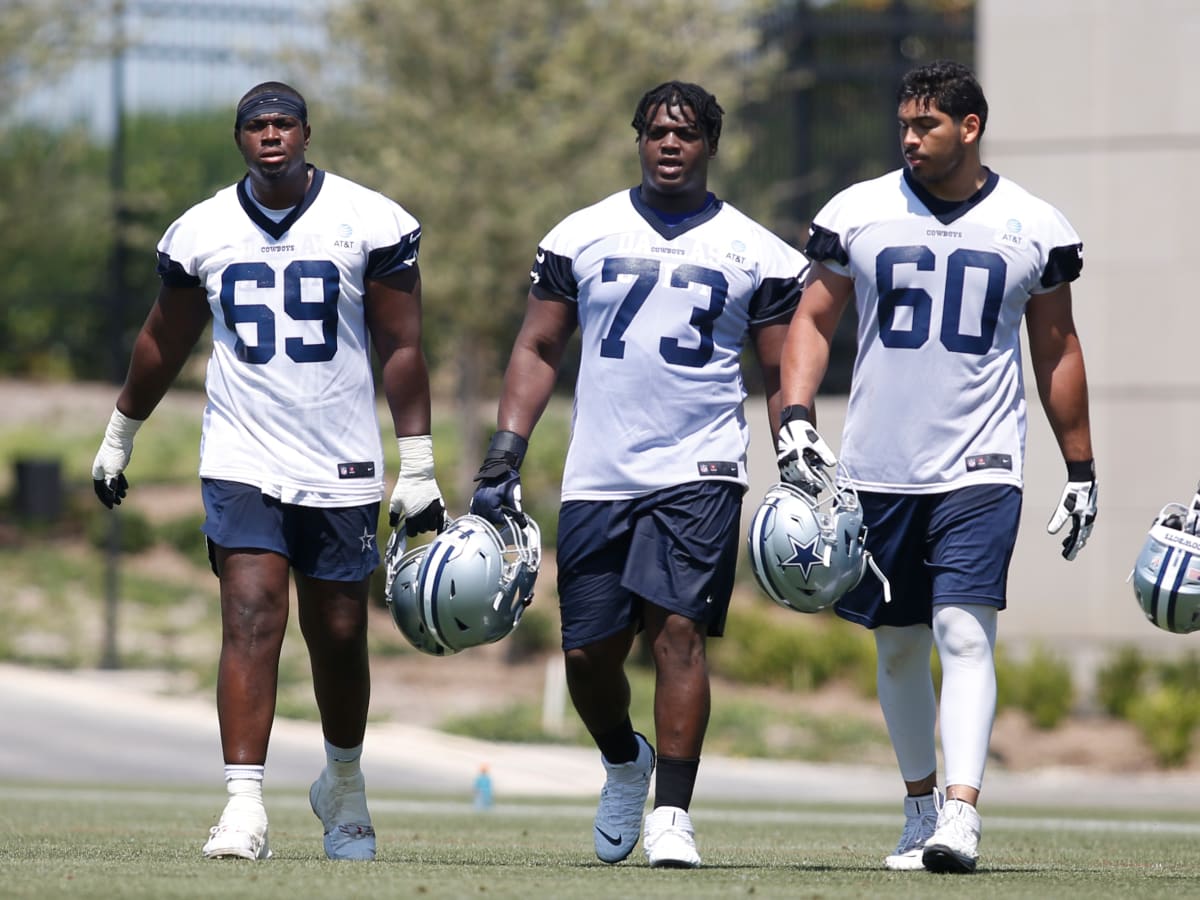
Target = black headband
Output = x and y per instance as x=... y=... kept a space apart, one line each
x=263 y=104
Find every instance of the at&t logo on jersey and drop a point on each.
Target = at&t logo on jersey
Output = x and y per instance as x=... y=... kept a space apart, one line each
x=1012 y=232
x=344 y=232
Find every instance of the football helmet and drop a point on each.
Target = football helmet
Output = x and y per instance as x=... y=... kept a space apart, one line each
x=476 y=580
x=403 y=592
x=805 y=552
x=1166 y=576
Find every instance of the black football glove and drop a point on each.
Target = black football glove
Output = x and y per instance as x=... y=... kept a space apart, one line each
x=499 y=479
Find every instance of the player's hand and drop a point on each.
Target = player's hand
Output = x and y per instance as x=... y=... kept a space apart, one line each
x=416 y=498
x=108 y=469
x=802 y=451
x=499 y=479
x=1077 y=505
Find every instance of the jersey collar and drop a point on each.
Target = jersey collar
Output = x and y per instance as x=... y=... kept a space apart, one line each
x=280 y=228
x=672 y=230
x=946 y=211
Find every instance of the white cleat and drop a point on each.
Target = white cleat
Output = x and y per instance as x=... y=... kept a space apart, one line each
x=670 y=839
x=241 y=832
x=618 y=823
x=954 y=845
x=341 y=805
x=920 y=820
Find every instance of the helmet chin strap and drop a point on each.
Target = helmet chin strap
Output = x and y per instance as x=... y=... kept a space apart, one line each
x=874 y=566
x=1192 y=525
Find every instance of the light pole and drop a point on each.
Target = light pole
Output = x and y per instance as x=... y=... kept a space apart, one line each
x=110 y=657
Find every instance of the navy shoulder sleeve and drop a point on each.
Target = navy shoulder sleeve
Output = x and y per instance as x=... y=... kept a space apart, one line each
x=172 y=273
x=1064 y=264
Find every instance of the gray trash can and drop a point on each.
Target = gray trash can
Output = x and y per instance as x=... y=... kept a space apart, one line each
x=39 y=493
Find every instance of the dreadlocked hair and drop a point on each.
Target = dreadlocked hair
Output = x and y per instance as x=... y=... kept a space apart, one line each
x=704 y=105
x=951 y=85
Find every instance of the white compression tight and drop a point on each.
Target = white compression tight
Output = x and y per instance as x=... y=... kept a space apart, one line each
x=966 y=638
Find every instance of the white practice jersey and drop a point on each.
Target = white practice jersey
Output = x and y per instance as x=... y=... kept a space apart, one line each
x=664 y=311
x=937 y=400
x=291 y=396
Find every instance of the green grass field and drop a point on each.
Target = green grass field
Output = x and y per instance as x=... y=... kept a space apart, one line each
x=104 y=842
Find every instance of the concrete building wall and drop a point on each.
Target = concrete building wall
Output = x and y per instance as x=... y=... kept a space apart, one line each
x=1094 y=106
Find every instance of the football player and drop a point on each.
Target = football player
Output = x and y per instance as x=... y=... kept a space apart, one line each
x=301 y=274
x=666 y=283
x=943 y=259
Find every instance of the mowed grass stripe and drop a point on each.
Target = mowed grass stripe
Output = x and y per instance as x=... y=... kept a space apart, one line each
x=105 y=843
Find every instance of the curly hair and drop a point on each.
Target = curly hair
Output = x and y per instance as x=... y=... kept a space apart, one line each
x=950 y=85
x=704 y=105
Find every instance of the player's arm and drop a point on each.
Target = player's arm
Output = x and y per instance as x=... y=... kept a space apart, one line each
x=392 y=306
x=801 y=451
x=170 y=331
x=528 y=382
x=533 y=366
x=172 y=328
x=1056 y=357
x=768 y=350
x=393 y=311
x=810 y=335
x=1057 y=360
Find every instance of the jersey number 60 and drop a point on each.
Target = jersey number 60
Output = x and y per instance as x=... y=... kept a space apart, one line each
x=891 y=297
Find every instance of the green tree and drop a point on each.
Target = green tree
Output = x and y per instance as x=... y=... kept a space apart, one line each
x=57 y=232
x=491 y=121
x=39 y=39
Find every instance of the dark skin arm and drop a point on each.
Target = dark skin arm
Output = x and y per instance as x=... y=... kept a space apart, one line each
x=171 y=330
x=533 y=366
x=393 y=313
x=768 y=350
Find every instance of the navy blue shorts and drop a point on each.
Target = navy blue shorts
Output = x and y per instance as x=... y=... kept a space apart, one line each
x=330 y=543
x=935 y=548
x=676 y=548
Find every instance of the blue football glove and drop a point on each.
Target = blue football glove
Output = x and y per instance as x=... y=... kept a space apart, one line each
x=499 y=479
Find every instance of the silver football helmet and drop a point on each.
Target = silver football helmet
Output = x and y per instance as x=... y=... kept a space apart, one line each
x=403 y=592
x=476 y=580
x=805 y=552
x=1166 y=576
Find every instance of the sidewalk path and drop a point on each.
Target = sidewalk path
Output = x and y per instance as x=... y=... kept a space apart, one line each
x=101 y=727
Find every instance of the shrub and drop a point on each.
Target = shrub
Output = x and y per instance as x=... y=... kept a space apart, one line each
x=535 y=634
x=184 y=535
x=1167 y=717
x=1044 y=689
x=796 y=651
x=1119 y=683
x=136 y=534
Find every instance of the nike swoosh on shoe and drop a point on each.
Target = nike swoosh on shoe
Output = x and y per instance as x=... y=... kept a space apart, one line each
x=612 y=840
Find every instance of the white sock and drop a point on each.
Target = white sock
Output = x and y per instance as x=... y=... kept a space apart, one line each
x=966 y=639
x=906 y=697
x=244 y=781
x=343 y=762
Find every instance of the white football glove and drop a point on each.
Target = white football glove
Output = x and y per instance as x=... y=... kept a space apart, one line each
x=108 y=469
x=1077 y=504
x=416 y=498
x=800 y=451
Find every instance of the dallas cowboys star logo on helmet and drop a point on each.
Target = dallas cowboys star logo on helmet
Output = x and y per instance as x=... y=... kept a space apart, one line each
x=804 y=556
